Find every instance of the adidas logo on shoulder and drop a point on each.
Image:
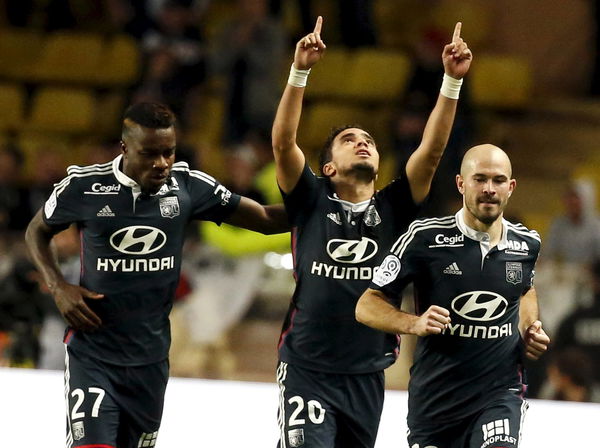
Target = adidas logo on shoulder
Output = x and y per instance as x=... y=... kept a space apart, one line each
x=105 y=211
x=453 y=269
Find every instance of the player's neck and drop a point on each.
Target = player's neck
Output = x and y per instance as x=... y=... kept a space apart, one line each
x=494 y=230
x=352 y=191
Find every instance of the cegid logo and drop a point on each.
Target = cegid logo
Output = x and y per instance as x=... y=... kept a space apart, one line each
x=138 y=240
x=351 y=251
x=480 y=305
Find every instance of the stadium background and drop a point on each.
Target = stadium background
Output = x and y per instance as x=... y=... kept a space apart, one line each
x=68 y=69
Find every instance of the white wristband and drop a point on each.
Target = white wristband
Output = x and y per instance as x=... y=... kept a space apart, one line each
x=298 y=77
x=451 y=87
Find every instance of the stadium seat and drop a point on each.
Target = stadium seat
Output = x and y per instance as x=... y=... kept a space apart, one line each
x=120 y=62
x=329 y=79
x=378 y=75
x=501 y=82
x=35 y=143
x=474 y=14
x=19 y=50
x=65 y=110
x=321 y=117
x=12 y=106
x=69 y=57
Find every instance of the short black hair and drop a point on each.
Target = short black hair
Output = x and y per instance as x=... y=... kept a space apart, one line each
x=149 y=115
x=325 y=154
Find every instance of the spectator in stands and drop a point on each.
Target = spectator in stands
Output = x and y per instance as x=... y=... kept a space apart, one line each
x=248 y=53
x=571 y=376
x=14 y=196
x=574 y=237
x=175 y=58
x=581 y=328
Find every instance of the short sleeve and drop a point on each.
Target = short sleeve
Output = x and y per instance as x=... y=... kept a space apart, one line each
x=211 y=201
x=61 y=208
x=300 y=201
x=398 y=268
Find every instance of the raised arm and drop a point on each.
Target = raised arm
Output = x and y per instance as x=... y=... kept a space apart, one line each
x=530 y=327
x=267 y=219
x=289 y=159
x=422 y=164
x=374 y=310
x=69 y=298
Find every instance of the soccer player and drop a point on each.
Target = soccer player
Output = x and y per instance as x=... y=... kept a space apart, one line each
x=330 y=370
x=131 y=214
x=473 y=276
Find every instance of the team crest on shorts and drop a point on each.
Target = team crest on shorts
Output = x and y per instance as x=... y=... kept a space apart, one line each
x=78 y=430
x=296 y=437
x=372 y=218
x=169 y=207
x=514 y=272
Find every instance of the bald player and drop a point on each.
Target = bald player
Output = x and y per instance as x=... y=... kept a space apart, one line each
x=476 y=312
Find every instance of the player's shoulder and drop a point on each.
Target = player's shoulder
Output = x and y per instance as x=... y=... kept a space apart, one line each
x=519 y=231
x=427 y=229
x=183 y=172
x=98 y=176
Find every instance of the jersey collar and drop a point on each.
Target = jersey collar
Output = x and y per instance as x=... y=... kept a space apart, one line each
x=348 y=206
x=482 y=237
x=121 y=176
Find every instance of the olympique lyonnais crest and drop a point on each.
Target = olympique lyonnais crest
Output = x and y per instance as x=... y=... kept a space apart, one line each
x=169 y=207
x=78 y=430
x=372 y=218
x=296 y=437
x=514 y=272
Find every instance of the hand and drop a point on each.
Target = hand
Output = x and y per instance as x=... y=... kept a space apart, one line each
x=310 y=49
x=456 y=55
x=536 y=341
x=70 y=303
x=433 y=321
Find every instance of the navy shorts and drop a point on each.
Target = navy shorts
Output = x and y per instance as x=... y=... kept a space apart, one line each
x=326 y=410
x=498 y=425
x=113 y=406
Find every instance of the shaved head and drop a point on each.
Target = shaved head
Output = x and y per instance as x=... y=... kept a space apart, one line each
x=484 y=154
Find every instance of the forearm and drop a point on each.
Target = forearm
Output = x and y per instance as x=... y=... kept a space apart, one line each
x=528 y=310
x=38 y=244
x=373 y=310
x=424 y=161
x=266 y=219
x=287 y=119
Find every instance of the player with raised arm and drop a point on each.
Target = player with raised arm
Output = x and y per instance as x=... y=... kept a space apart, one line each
x=330 y=370
x=473 y=276
x=131 y=214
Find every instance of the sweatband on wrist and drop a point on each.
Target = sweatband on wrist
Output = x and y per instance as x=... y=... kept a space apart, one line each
x=451 y=87
x=298 y=77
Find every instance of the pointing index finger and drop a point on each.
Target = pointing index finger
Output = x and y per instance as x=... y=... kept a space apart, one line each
x=318 y=25
x=456 y=34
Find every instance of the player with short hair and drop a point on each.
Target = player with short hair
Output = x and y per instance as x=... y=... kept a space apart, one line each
x=330 y=369
x=131 y=214
x=473 y=277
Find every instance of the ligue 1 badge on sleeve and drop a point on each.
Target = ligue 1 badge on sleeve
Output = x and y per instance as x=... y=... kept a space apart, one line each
x=514 y=273
x=169 y=207
x=78 y=430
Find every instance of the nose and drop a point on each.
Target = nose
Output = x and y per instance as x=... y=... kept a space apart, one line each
x=362 y=143
x=489 y=188
x=160 y=163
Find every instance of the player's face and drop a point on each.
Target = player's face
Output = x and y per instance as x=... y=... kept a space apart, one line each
x=148 y=155
x=354 y=150
x=486 y=188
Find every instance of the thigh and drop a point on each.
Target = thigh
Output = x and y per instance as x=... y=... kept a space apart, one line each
x=359 y=417
x=307 y=411
x=142 y=402
x=499 y=424
x=92 y=413
x=448 y=435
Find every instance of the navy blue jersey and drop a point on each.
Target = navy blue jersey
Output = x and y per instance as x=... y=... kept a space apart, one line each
x=131 y=251
x=480 y=354
x=337 y=246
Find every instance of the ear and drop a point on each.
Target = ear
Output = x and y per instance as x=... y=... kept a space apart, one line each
x=329 y=169
x=123 y=146
x=512 y=184
x=460 y=184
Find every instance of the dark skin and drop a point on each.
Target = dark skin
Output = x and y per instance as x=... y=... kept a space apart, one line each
x=148 y=155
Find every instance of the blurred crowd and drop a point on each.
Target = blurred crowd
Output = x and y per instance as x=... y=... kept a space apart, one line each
x=235 y=55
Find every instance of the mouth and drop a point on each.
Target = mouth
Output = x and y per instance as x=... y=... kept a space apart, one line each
x=363 y=152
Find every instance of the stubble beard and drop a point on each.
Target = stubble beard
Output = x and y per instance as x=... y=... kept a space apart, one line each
x=363 y=172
